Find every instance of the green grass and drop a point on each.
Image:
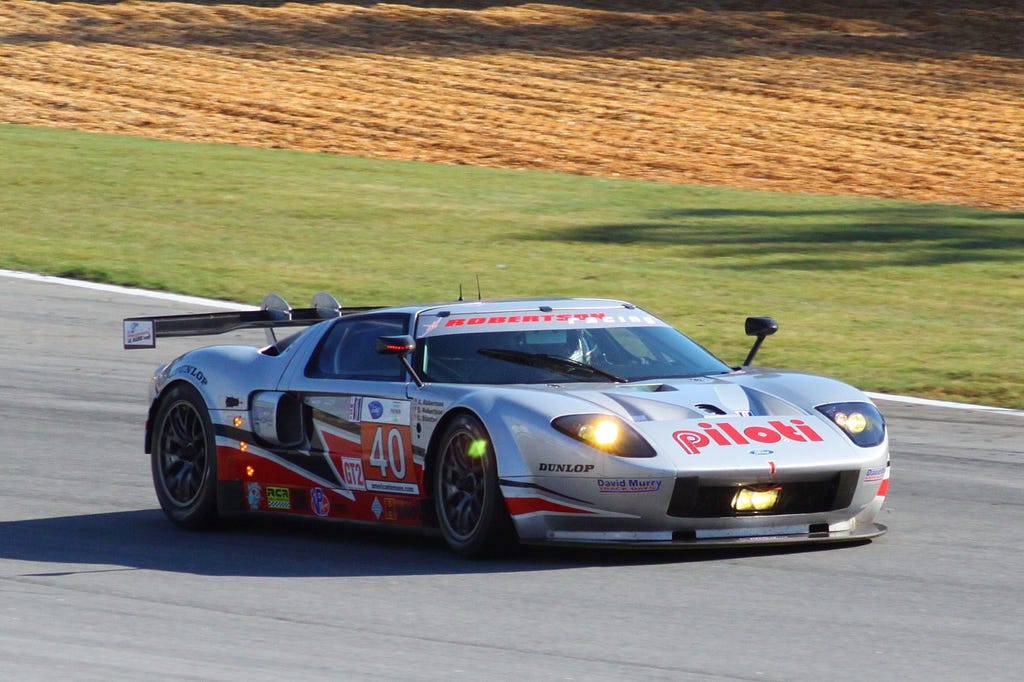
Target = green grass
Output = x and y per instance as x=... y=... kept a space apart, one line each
x=921 y=299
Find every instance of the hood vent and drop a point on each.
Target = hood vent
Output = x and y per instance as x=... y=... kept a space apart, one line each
x=709 y=409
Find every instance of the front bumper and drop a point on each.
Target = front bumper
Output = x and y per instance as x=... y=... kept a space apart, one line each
x=775 y=536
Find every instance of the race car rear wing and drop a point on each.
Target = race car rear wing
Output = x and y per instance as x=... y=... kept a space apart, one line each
x=274 y=312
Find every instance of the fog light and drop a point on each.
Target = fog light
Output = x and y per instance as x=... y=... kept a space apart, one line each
x=753 y=499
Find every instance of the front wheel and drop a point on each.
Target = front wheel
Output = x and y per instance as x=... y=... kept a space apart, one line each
x=470 y=509
x=184 y=459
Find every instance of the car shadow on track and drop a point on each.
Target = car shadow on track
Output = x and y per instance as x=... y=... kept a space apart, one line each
x=273 y=547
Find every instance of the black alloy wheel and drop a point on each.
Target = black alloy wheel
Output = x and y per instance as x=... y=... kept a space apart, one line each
x=470 y=509
x=184 y=459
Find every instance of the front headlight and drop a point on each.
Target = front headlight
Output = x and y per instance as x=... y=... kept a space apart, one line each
x=862 y=422
x=606 y=433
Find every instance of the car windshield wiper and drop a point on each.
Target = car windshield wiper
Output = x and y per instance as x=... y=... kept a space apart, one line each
x=551 y=362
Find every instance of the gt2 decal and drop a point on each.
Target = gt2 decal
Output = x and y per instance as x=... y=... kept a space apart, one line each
x=726 y=434
x=352 y=472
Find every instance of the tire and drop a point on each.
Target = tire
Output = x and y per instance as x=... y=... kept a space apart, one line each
x=184 y=459
x=471 y=512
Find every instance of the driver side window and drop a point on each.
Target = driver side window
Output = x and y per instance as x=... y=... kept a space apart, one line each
x=349 y=350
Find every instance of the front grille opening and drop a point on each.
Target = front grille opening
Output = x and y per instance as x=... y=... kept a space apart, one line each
x=692 y=499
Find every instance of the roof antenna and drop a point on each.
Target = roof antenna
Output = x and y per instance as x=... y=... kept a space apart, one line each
x=479 y=296
x=460 y=292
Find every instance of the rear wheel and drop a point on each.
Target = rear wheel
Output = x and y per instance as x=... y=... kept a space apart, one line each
x=184 y=459
x=470 y=509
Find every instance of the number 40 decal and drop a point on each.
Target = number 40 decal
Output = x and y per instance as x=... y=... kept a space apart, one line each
x=388 y=451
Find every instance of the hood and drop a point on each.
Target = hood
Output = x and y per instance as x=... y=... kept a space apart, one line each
x=683 y=399
x=726 y=426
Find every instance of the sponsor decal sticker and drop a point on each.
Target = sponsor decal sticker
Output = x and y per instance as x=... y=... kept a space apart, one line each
x=393 y=487
x=558 y=318
x=355 y=409
x=400 y=509
x=279 y=497
x=386 y=412
x=352 y=472
x=377 y=508
x=139 y=333
x=726 y=434
x=387 y=458
x=875 y=474
x=253 y=494
x=628 y=485
x=318 y=502
x=429 y=411
x=193 y=372
x=566 y=468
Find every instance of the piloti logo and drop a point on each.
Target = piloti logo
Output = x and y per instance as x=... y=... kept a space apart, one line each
x=727 y=434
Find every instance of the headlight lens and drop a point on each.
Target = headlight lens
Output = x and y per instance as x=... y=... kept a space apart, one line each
x=606 y=433
x=862 y=422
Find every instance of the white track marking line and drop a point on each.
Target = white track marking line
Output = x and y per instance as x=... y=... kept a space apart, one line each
x=943 y=403
x=128 y=291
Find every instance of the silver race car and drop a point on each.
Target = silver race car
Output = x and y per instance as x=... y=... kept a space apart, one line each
x=571 y=421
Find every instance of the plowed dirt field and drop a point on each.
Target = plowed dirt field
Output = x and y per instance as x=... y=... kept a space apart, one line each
x=916 y=100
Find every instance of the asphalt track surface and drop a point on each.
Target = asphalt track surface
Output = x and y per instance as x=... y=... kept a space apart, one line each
x=96 y=585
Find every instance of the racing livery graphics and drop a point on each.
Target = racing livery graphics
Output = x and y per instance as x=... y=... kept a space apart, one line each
x=571 y=421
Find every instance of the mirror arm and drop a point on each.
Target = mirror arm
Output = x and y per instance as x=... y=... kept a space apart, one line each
x=408 y=366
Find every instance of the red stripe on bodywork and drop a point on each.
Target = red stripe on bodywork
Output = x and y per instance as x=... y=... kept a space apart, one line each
x=528 y=505
x=883 y=488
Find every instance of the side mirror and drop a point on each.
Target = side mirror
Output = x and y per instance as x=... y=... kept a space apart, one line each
x=395 y=345
x=761 y=327
x=401 y=346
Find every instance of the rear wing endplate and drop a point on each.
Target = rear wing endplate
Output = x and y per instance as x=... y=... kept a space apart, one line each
x=274 y=312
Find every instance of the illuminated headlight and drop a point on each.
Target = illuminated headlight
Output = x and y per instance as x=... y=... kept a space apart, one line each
x=862 y=422
x=606 y=433
x=755 y=499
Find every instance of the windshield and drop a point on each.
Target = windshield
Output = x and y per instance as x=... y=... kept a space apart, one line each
x=528 y=357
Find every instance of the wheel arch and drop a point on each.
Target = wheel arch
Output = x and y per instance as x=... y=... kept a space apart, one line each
x=430 y=455
x=158 y=401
